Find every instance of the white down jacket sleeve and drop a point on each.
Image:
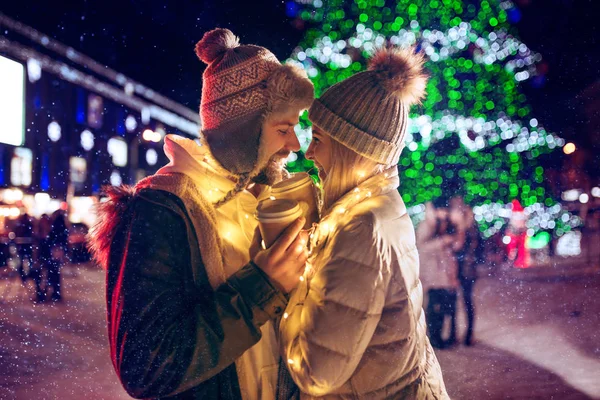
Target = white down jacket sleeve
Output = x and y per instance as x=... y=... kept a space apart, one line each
x=331 y=319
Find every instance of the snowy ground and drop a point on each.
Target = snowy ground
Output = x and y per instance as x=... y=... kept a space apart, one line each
x=536 y=339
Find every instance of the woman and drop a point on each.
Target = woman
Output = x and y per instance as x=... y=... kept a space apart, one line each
x=355 y=325
x=437 y=242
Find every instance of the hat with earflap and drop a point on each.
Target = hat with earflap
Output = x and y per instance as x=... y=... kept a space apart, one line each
x=368 y=112
x=241 y=87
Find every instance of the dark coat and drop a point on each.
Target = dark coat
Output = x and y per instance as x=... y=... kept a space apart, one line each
x=171 y=335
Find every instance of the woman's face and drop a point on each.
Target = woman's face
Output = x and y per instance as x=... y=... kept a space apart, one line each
x=319 y=151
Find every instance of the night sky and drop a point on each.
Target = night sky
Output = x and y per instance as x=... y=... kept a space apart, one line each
x=153 y=43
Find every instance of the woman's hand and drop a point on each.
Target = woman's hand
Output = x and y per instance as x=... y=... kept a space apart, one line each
x=285 y=260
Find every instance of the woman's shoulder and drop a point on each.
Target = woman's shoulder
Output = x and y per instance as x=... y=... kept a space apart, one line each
x=380 y=209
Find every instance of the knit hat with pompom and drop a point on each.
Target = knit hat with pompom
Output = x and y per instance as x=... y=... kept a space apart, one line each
x=368 y=112
x=243 y=85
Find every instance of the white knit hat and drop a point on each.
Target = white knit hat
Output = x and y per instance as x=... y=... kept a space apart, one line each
x=368 y=112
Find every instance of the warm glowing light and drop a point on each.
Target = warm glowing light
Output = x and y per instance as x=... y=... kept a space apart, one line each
x=290 y=361
x=148 y=135
x=41 y=197
x=301 y=278
x=571 y=195
x=569 y=148
x=285 y=315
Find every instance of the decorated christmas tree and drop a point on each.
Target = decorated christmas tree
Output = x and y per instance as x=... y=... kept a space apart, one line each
x=474 y=134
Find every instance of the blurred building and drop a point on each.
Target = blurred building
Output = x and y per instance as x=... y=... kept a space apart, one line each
x=69 y=125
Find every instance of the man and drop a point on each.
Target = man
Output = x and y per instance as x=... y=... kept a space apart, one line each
x=187 y=298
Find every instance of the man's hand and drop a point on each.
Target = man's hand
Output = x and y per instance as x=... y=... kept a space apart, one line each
x=285 y=260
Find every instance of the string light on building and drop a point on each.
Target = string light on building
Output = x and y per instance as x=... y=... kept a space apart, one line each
x=151 y=157
x=130 y=123
x=87 y=140
x=115 y=178
x=34 y=70
x=54 y=131
x=117 y=148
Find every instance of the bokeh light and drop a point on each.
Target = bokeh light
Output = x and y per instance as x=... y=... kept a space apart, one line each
x=474 y=134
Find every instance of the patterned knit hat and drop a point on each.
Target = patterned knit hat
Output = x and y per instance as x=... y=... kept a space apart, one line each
x=242 y=85
x=368 y=112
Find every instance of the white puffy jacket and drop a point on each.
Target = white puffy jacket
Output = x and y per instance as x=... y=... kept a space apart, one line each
x=355 y=327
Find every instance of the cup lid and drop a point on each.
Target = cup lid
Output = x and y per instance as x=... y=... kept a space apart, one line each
x=297 y=180
x=280 y=208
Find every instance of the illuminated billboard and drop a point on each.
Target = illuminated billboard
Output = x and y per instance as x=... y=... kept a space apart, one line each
x=12 y=102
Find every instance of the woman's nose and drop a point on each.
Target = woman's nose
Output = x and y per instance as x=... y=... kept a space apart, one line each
x=310 y=152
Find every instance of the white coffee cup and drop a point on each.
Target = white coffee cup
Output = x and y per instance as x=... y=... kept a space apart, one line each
x=274 y=216
x=301 y=188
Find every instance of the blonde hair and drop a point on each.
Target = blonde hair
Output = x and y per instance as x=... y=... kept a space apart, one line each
x=347 y=170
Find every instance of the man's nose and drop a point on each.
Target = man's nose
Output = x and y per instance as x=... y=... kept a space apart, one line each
x=293 y=143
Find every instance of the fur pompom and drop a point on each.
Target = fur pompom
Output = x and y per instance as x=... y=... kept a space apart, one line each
x=400 y=71
x=215 y=43
x=110 y=214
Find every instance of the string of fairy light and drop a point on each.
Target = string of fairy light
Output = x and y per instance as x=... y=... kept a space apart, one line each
x=476 y=64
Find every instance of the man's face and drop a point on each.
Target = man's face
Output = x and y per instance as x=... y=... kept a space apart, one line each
x=279 y=140
x=320 y=152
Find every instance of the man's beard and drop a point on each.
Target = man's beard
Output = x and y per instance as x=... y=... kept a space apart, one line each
x=274 y=171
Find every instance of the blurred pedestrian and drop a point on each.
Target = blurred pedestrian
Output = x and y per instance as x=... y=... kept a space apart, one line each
x=24 y=242
x=518 y=253
x=439 y=276
x=57 y=242
x=42 y=232
x=42 y=255
x=468 y=254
